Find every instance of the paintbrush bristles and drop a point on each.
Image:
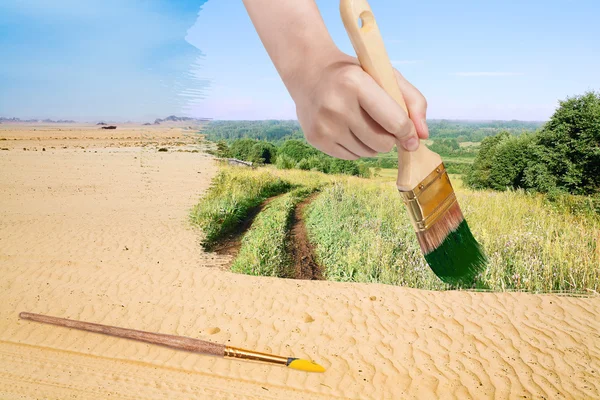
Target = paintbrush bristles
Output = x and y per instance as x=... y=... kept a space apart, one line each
x=434 y=236
x=451 y=250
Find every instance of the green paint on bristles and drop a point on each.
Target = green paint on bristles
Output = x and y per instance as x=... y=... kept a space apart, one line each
x=459 y=259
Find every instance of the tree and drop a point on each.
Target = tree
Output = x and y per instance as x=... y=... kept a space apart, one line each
x=568 y=146
x=346 y=167
x=564 y=156
x=297 y=150
x=262 y=152
x=241 y=148
x=222 y=149
x=479 y=176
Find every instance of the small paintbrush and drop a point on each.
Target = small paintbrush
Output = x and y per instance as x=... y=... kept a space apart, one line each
x=178 y=342
x=445 y=238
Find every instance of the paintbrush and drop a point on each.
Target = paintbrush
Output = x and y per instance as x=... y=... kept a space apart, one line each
x=178 y=342
x=445 y=238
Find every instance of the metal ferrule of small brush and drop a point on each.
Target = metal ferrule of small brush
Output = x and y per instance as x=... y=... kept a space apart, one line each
x=430 y=199
x=234 y=352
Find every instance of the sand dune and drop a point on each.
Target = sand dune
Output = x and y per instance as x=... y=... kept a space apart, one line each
x=98 y=231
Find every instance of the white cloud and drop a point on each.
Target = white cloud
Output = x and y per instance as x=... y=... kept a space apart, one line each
x=488 y=73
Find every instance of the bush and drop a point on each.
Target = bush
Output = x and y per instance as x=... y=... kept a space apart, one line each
x=297 y=150
x=512 y=156
x=241 y=148
x=285 y=162
x=303 y=164
x=318 y=163
x=262 y=153
x=346 y=167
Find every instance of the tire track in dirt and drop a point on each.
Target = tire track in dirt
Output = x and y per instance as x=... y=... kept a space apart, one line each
x=300 y=247
x=230 y=245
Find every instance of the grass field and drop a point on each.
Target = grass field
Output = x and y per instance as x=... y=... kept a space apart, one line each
x=361 y=233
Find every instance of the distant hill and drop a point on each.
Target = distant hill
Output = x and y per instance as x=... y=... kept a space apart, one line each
x=174 y=118
x=49 y=121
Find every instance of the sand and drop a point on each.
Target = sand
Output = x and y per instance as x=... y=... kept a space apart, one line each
x=95 y=228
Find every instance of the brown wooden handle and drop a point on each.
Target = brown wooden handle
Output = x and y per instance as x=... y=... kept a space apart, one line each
x=172 y=341
x=413 y=167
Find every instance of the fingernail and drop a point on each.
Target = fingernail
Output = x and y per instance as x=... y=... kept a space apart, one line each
x=424 y=127
x=411 y=144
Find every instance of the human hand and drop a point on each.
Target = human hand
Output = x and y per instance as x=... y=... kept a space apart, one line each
x=346 y=114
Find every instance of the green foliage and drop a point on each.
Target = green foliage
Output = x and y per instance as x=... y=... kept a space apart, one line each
x=563 y=157
x=457 y=167
x=272 y=131
x=262 y=153
x=222 y=149
x=241 y=149
x=279 y=131
x=346 y=167
x=512 y=156
x=479 y=176
x=476 y=131
x=230 y=198
x=445 y=146
x=252 y=150
x=303 y=164
x=569 y=146
x=285 y=162
x=318 y=163
x=297 y=150
x=364 y=171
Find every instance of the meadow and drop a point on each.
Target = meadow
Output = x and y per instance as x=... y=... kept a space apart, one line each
x=361 y=233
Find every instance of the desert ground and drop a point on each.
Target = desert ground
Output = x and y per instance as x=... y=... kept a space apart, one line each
x=94 y=226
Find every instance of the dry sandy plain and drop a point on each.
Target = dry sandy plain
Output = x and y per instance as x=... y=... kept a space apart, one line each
x=95 y=228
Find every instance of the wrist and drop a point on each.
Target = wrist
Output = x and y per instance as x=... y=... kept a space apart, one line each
x=301 y=74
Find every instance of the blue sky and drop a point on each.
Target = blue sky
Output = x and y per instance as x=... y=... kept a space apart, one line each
x=144 y=59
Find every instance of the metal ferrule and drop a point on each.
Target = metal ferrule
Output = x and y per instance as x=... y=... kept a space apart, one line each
x=233 y=352
x=430 y=199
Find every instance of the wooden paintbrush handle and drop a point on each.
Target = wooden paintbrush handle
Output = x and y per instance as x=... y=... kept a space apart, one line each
x=175 y=342
x=413 y=167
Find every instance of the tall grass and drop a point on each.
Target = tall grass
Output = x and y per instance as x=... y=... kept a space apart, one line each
x=264 y=247
x=233 y=194
x=362 y=234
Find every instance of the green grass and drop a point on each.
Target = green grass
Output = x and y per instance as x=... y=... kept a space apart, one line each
x=264 y=247
x=362 y=234
x=361 y=231
x=232 y=195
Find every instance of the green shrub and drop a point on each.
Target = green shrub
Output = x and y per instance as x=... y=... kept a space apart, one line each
x=285 y=162
x=297 y=150
x=241 y=148
x=347 y=167
x=262 y=153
